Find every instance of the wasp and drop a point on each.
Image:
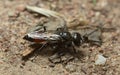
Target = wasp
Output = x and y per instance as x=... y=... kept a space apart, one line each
x=54 y=33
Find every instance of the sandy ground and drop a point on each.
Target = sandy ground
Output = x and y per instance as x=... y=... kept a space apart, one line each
x=15 y=20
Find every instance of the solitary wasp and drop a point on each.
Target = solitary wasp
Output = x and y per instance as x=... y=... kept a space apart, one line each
x=54 y=33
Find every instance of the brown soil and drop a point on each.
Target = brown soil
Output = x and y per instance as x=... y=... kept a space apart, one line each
x=15 y=20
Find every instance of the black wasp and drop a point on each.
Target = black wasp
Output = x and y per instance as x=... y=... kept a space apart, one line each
x=55 y=33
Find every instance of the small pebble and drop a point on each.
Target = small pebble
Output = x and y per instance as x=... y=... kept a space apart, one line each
x=97 y=14
x=101 y=4
x=13 y=14
x=71 y=67
x=20 y=8
x=100 y=60
x=51 y=65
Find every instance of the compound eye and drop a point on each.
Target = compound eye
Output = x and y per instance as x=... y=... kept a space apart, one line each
x=77 y=39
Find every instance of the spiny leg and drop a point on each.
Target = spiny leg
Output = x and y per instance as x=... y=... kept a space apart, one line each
x=39 y=49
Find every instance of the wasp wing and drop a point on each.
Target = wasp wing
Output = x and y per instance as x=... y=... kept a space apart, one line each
x=56 y=20
x=90 y=35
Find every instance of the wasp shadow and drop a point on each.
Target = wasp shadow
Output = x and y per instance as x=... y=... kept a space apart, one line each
x=37 y=51
x=48 y=52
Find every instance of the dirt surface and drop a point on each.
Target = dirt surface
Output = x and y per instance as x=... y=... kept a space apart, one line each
x=15 y=20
